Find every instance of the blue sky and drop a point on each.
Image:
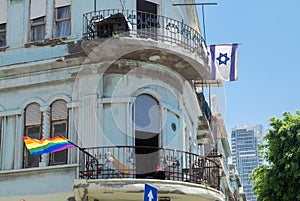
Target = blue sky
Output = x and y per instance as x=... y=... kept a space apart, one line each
x=269 y=35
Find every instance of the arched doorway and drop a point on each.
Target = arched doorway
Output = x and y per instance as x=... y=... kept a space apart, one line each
x=147 y=130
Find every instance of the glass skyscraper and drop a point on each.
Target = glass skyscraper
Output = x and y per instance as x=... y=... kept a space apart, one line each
x=245 y=155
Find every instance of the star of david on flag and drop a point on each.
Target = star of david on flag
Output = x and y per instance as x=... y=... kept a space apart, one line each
x=222 y=61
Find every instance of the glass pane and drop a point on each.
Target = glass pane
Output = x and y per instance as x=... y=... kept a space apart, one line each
x=63 y=12
x=34 y=132
x=32 y=161
x=147 y=116
x=2 y=39
x=2 y=26
x=37 y=33
x=60 y=129
x=59 y=157
x=2 y=35
x=63 y=28
x=38 y=20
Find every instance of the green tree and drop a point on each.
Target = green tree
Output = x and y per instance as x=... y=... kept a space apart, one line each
x=279 y=179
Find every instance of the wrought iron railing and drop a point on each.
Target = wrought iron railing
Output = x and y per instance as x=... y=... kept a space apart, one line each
x=148 y=163
x=132 y=23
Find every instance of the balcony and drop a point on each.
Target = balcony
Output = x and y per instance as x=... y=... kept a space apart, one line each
x=104 y=168
x=148 y=163
x=136 y=35
x=115 y=22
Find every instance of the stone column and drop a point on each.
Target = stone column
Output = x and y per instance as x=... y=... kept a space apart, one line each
x=45 y=133
x=88 y=121
x=2 y=138
x=130 y=126
x=72 y=130
x=8 y=148
x=163 y=127
x=50 y=17
x=99 y=122
x=18 y=161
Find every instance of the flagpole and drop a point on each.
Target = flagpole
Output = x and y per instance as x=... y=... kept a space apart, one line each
x=81 y=149
x=203 y=21
x=209 y=95
x=194 y=4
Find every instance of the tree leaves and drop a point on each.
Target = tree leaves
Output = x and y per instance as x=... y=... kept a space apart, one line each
x=279 y=179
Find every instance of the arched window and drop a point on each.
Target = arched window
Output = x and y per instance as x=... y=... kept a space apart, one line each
x=147 y=115
x=59 y=126
x=147 y=129
x=33 y=129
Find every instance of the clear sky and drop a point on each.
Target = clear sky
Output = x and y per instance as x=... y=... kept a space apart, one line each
x=269 y=74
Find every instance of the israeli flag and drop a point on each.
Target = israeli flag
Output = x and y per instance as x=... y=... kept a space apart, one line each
x=222 y=60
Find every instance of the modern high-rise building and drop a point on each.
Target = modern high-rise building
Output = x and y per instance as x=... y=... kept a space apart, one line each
x=245 y=155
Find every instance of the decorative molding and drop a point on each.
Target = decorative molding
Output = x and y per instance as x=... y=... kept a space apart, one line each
x=59 y=97
x=32 y=100
x=115 y=100
x=11 y=113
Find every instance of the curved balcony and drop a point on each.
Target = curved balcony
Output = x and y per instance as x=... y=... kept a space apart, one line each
x=142 y=36
x=109 y=23
x=133 y=162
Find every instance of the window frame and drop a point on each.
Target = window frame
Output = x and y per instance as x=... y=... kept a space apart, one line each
x=5 y=34
x=26 y=153
x=58 y=21
x=52 y=134
x=37 y=24
x=52 y=156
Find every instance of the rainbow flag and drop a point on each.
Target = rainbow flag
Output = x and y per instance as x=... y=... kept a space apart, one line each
x=46 y=145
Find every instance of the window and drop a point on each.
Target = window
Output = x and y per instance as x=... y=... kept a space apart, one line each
x=3 y=21
x=147 y=115
x=147 y=130
x=59 y=125
x=63 y=21
x=33 y=120
x=2 y=35
x=38 y=29
x=62 y=18
x=37 y=20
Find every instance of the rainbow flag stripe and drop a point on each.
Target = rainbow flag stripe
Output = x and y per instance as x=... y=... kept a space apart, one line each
x=46 y=145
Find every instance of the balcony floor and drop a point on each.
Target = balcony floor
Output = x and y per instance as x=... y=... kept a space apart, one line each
x=190 y=66
x=133 y=190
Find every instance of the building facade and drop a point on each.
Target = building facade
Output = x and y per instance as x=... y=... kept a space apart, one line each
x=220 y=150
x=117 y=78
x=235 y=183
x=245 y=155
